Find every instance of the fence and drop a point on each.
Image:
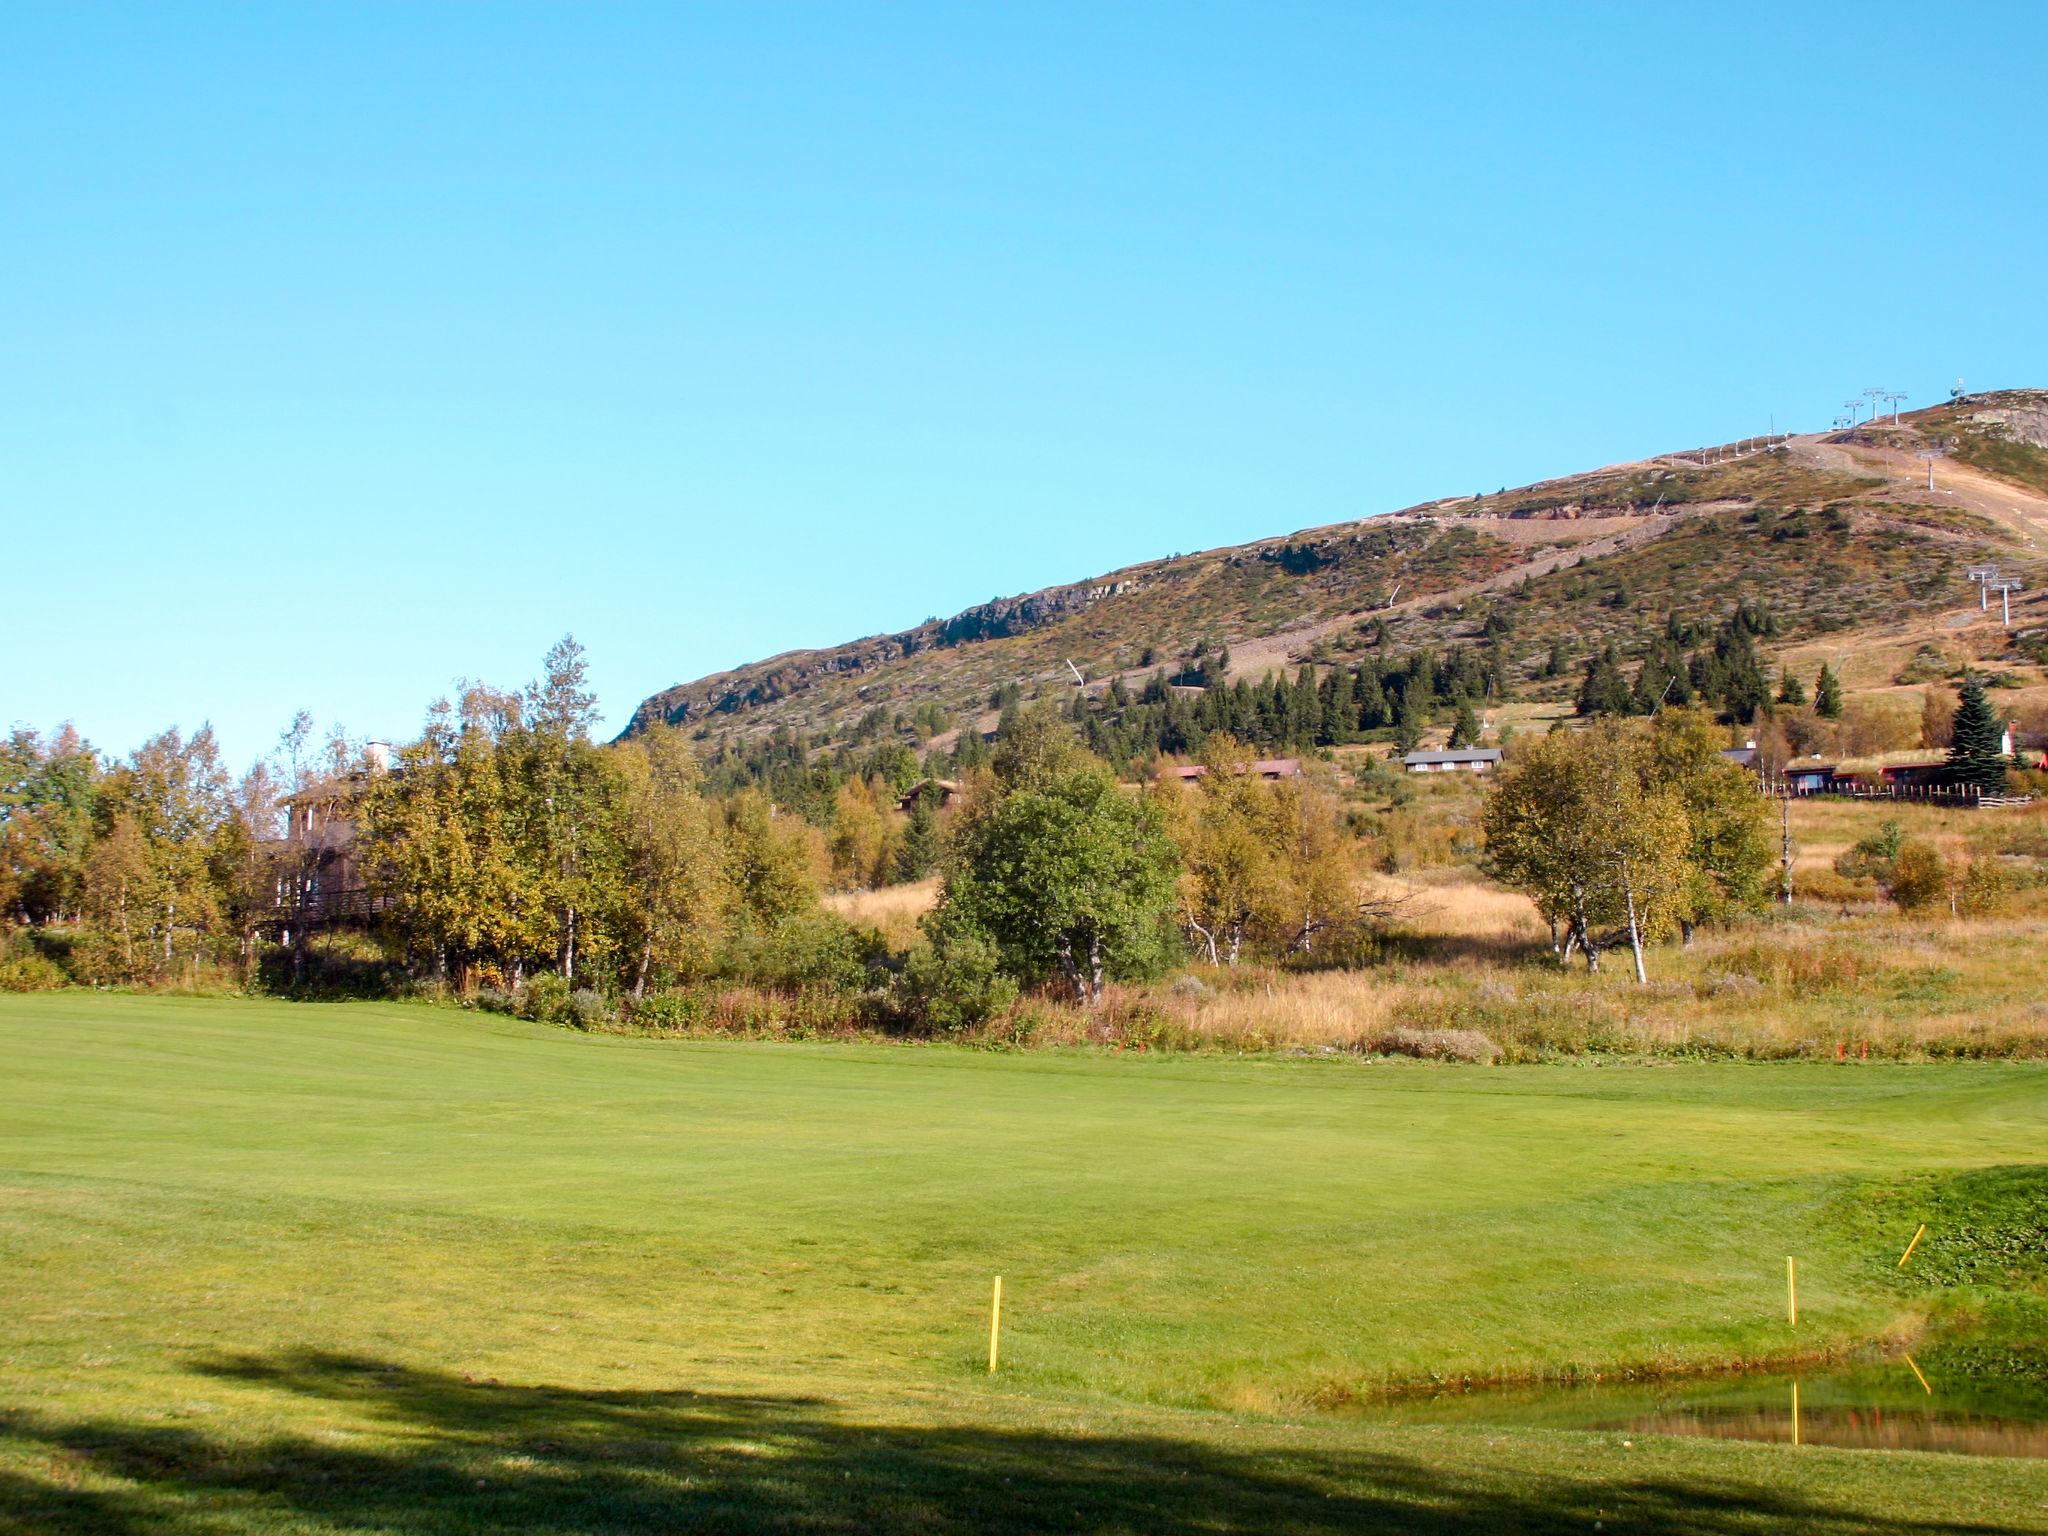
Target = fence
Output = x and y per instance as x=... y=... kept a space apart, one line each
x=1957 y=797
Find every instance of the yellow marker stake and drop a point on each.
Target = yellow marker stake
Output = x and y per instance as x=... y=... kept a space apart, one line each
x=1792 y=1289
x=995 y=1324
x=1916 y=1371
x=1795 y=1413
x=1912 y=1245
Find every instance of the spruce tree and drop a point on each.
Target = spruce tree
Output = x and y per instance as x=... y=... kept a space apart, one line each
x=918 y=854
x=1605 y=691
x=1974 y=755
x=1465 y=733
x=1827 y=694
x=1790 y=690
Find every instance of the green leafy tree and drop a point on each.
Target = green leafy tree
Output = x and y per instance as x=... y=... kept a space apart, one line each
x=122 y=896
x=862 y=843
x=1976 y=753
x=178 y=797
x=564 y=790
x=1578 y=820
x=49 y=805
x=1223 y=827
x=679 y=899
x=1069 y=876
x=1728 y=852
x=769 y=858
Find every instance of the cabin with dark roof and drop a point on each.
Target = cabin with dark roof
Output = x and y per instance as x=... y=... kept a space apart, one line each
x=1464 y=760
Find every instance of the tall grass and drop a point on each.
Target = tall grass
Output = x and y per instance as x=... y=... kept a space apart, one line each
x=894 y=910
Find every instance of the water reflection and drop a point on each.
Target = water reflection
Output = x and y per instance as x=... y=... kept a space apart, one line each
x=1867 y=1429
x=1887 y=1405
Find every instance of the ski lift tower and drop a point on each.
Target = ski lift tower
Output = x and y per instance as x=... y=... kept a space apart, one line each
x=2005 y=586
x=1983 y=576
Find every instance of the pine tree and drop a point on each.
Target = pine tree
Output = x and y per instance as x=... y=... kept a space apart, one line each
x=1465 y=733
x=918 y=854
x=1827 y=694
x=1974 y=755
x=1790 y=690
x=1605 y=691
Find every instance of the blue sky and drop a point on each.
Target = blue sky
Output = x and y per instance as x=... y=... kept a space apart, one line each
x=348 y=350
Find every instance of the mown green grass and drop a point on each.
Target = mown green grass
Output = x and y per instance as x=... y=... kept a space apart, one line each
x=391 y=1268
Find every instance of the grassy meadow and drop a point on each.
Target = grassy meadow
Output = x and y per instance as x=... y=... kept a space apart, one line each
x=279 y=1267
x=1464 y=969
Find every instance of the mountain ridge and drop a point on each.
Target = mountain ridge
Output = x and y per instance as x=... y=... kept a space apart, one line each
x=1289 y=598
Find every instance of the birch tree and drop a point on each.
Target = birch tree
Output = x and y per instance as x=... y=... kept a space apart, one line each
x=1071 y=878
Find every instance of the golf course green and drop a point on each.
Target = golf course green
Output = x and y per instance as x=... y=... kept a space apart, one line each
x=275 y=1267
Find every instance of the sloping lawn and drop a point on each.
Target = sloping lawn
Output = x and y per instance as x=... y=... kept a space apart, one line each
x=276 y=1267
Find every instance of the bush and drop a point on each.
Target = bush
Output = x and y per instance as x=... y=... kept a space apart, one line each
x=545 y=999
x=817 y=949
x=1985 y=885
x=1872 y=858
x=953 y=982
x=1919 y=878
x=495 y=1000
x=1437 y=1044
x=30 y=973
x=589 y=1010
x=340 y=963
x=1832 y=887
x=669 y=1013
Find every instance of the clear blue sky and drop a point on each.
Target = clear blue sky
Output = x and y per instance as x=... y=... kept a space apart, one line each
x=346 y=350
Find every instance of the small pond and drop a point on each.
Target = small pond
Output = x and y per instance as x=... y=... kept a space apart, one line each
x=1890 y=1405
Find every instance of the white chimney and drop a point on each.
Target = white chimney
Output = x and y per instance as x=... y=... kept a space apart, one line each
x=378 y=755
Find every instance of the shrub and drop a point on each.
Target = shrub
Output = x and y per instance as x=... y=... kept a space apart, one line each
x=30 y=973
x=545 y=999
x=589 y=1010
x=1832 y=887
x=1872 y=858
x=954 y=982
x=817 y=949
x=1919 y=878
x=340 y=963
x=495 y=1000
x=1437 y=1044
x=1985 y=885
x=671 y=1013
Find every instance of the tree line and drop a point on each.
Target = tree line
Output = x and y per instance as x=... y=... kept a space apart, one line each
x=504 y=844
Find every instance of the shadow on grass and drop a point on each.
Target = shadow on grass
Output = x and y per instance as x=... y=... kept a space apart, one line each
x=459 y=1456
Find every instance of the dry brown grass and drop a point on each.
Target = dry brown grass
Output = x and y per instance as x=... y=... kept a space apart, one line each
x=894 y=910
x=1825 y=827
x=1466 y=973
x=1815 y=985
x=1455 y=903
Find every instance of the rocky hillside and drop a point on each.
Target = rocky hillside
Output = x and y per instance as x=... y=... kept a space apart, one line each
x=1833 y=530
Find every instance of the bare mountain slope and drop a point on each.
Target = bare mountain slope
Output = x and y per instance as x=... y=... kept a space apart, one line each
x=1833 y=530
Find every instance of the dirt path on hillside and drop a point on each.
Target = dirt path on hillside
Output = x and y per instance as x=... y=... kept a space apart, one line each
x=1257 y=658
x=2021 y=511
